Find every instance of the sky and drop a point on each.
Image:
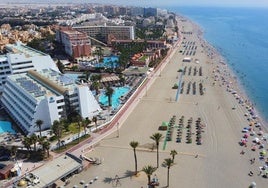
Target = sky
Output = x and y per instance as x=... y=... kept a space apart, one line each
x=159 y=3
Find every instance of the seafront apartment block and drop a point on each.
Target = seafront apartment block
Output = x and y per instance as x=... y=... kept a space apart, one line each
x=76 y=44
x=46 y=95
x=20 y=59
x=104 y=33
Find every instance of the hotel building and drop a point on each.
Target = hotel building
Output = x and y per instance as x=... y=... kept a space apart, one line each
x=20 y=59
x=104 y=33
x=46 y=95
x=76 y=44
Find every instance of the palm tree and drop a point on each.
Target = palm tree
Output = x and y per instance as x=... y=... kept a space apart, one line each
x=122 y=80
x=95 y=120
x=149 y=170
x=57 y=128
x=96 y=86
x=109 y=92
x=34 y=140
x=85 y=122
x=39 y=124
x=46 y=146
x=41 y=142
x=134 y=145
x=173 y=153
x=27 y=142
x=78 y=119
x=157 y=137
x=168 y=163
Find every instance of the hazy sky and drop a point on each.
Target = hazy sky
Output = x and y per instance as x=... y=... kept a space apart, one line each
x=159 y=3
x=248 y=3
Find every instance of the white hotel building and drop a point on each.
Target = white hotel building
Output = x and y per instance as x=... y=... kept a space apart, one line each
x=46 y=95
x=21 y=58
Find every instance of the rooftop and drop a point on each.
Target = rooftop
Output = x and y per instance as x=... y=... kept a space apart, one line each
x=56 y=169
x=29 y=85
x=45 y=82
x=21 y=48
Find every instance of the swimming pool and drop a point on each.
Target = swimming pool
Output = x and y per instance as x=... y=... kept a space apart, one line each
x=118 y=92
x=5 y=126
x=108 y=62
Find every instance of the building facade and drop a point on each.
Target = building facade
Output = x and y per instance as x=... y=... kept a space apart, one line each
x=20 y=59
x=76 y=44
x=104 y=33
x=46 y=95
x=150 y=44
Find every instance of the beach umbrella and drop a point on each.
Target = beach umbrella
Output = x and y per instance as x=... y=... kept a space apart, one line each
x=253 y=148
x=263 y=152
x=253 y=185
x=256 y=139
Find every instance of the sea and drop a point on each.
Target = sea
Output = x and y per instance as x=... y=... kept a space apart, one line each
x=240 y=35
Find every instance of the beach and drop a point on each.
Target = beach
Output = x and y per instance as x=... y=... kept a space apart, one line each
x=217 y=162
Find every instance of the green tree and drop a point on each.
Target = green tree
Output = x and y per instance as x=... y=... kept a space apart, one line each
x=27 y=142
x=109 y=93
x=57 y=128
x=173 y=153
x=46 y=146
x=134 y=145
x=149 y=170
x=122 y=79
x=78 y=120
x=157 y=137
x=39 y=124
x=95 y=120
x=96 y=86
x=34 y=139
x=168 y=163
x=85 y=122
x=13 y=151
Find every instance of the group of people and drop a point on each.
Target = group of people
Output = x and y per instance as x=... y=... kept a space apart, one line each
x=254 y=132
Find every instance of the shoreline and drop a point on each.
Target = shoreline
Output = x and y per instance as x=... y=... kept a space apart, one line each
x=238 y=86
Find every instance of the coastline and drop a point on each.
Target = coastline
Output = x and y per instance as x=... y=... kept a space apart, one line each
x=237 y=85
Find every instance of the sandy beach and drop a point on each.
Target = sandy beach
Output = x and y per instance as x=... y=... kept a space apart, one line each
x=217 y=163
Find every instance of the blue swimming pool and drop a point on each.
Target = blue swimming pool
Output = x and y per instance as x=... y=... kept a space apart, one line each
x=5 y=126
x=109 y=62
x=118 y=92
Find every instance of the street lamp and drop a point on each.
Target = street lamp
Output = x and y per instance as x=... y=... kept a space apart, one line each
x=117 y=128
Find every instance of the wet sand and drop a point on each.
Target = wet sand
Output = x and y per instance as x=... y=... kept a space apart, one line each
x=215 y=163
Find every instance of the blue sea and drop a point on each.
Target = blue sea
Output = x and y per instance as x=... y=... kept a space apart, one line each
x=241 y=36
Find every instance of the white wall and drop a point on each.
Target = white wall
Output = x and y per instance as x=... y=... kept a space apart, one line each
x=89 y=106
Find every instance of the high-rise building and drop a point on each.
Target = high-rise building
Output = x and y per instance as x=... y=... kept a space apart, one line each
x=76 y=44
x=45 y=95
x=20 y=59
x=104 y=33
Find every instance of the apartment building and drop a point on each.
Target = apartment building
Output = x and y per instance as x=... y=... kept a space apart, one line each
x=76 y=44
x=105 y=33
x=20 y=59
x=46 y=95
